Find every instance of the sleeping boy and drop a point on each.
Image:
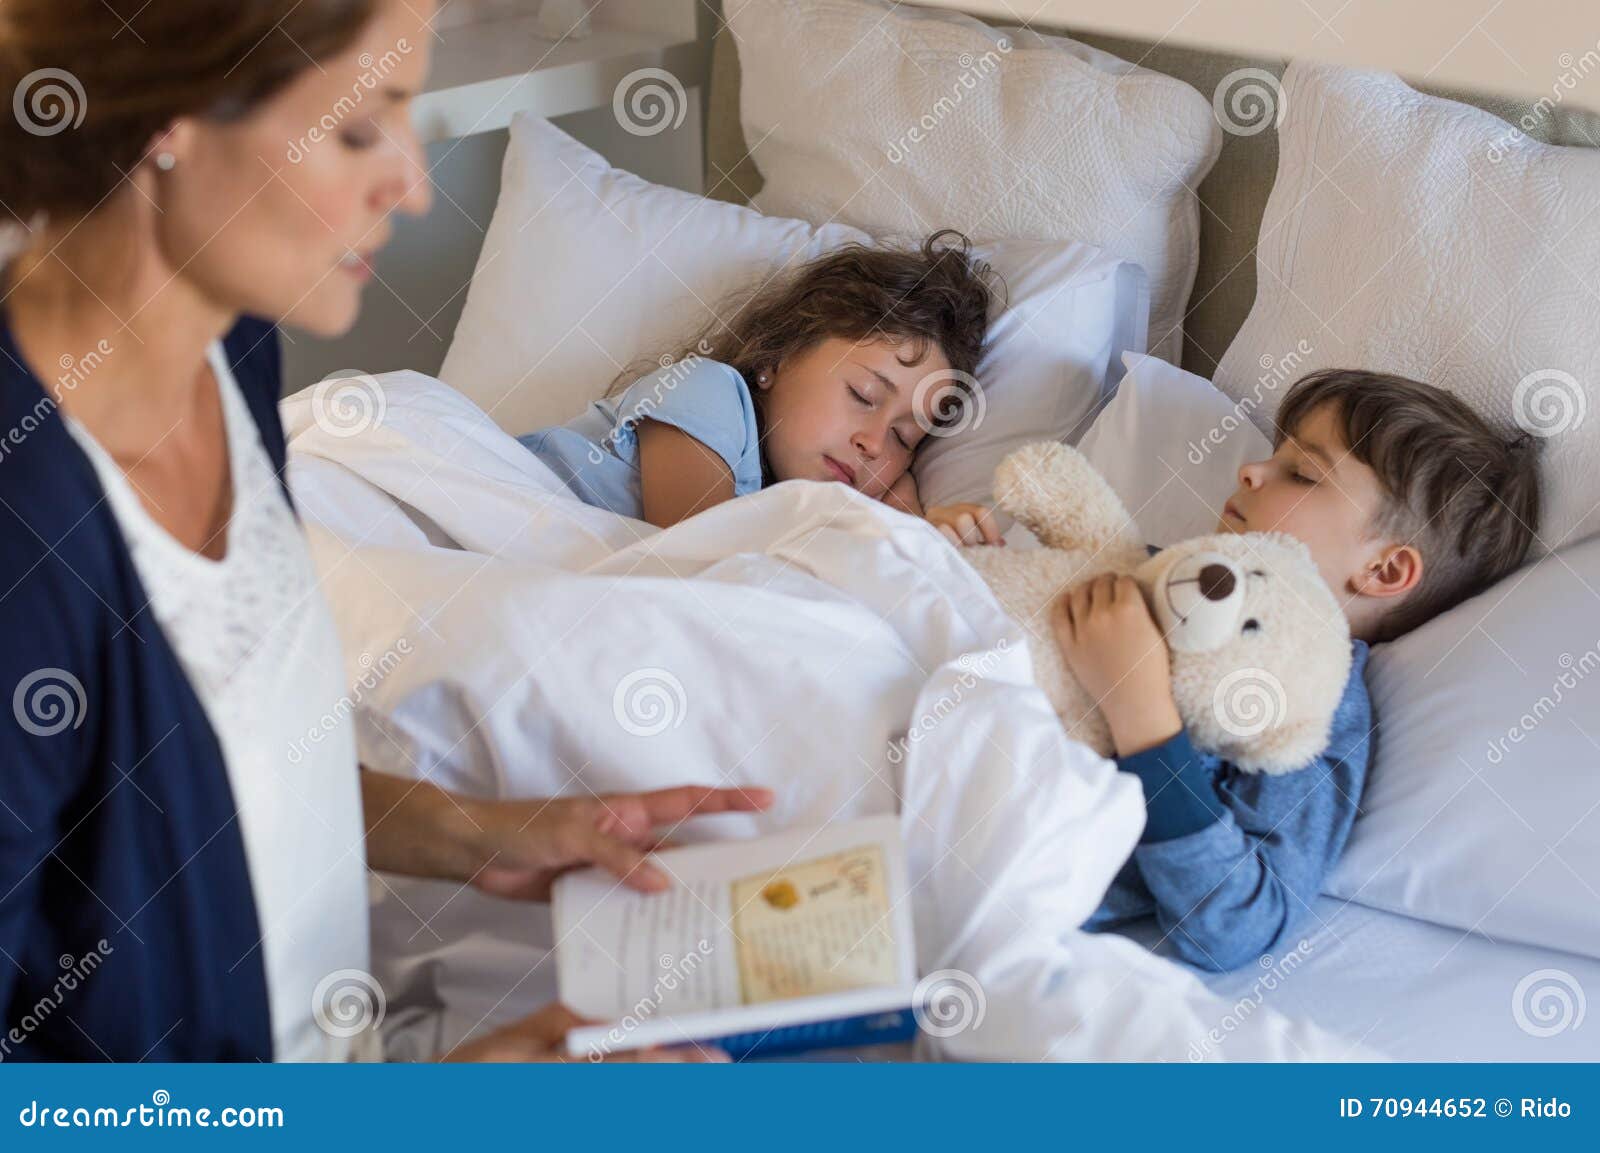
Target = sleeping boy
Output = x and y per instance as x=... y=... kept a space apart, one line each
x=1409 y=504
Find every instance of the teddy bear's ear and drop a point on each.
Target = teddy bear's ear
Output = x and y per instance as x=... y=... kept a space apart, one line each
x=1284 y=748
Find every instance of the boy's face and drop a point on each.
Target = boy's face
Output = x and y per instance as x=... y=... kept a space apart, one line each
x=1312 y=488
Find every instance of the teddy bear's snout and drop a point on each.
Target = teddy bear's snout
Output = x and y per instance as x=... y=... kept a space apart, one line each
x=1216 y=582
x=1198 y=603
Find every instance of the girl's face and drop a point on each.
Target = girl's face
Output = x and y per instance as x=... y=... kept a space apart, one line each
x=849 y=411
x=280 y=213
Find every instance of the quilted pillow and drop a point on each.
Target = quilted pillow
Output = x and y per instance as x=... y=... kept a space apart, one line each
x=915 y=120
x=1411 y=234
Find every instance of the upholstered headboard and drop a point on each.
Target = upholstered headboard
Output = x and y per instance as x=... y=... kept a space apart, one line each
x=1234 y=195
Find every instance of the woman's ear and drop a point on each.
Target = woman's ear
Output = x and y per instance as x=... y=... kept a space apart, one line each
x=1395 y=570
x=171 y=145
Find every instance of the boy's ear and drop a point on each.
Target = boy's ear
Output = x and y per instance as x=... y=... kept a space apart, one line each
x=1395 y=570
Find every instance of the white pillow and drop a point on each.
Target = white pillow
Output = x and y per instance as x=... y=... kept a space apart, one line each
x=1416 y=235
x=1170 y=445
x=1052 y=356
x=1482 y=809
x=915 y=120
x=587 y=269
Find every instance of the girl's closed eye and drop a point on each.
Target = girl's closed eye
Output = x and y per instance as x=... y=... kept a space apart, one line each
x=865 y=400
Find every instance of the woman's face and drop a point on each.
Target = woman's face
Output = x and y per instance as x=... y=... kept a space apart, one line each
x=278 y=214
x=849 y=411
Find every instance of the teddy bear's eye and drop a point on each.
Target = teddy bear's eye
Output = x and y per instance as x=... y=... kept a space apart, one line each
x=1251 y=625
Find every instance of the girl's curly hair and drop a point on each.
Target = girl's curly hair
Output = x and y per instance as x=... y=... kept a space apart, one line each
x=936 y=295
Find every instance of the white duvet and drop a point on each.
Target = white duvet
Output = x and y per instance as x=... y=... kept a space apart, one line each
x=506 y=640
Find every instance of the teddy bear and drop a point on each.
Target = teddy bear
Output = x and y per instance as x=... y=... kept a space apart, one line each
x=1260 y=646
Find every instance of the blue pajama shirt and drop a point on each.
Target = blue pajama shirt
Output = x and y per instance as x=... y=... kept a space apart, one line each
x=1230 y=862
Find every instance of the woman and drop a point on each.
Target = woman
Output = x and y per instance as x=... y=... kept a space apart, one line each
x=185 y=168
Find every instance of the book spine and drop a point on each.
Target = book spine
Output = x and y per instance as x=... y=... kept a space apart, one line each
x=839 y=1033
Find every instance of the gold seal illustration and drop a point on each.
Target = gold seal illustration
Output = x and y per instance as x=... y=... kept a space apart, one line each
x=781 y=895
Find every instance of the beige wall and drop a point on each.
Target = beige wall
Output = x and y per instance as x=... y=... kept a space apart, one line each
x=410 y=310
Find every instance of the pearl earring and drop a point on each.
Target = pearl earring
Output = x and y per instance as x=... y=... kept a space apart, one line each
x=166 y=161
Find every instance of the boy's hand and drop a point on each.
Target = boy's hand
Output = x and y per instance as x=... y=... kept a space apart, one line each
x=964 y=524
x=1114 y=648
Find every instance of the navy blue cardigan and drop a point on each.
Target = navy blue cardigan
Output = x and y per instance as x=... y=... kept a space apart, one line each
x=128 y=929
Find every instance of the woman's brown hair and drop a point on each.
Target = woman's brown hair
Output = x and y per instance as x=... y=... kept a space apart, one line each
x=936 y=295
x=93 y=81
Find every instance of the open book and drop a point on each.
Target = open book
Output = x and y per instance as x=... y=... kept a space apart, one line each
x=785 y=943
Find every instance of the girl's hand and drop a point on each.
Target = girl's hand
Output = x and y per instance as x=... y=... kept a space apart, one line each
x=902 y=495
x=1115 y=649
x=526 y=845
x=541 y=1037
x=964 y=524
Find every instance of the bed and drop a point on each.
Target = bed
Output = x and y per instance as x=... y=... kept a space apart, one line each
x=1420 y=951
x=1421 y=992
x=1407 y=987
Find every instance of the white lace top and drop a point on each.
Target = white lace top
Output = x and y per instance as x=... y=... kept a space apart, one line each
x=257 y=641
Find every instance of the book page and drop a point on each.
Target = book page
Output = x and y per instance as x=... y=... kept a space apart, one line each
x=818 y=926
x=800 y=914
x=642 y=954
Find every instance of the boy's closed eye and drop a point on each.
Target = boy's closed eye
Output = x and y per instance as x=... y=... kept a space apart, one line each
x=1308 y=459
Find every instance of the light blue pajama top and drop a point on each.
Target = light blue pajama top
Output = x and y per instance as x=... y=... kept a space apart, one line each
x=597 y=454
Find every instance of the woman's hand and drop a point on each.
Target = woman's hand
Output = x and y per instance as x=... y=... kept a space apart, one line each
x=516 y=848
x=540 y=1037
x=1114 y=647
x=525 y=845
x=964 y=524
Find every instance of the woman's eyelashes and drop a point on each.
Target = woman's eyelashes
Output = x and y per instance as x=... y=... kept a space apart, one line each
x=360 y=137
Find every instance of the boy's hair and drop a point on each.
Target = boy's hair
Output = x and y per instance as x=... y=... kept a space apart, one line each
x=1465 y=496
x=935 y=295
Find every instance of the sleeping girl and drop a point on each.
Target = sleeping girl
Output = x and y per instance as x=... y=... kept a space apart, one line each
x=821 y=375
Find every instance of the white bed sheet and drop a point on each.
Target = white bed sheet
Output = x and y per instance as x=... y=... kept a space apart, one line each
x=1416 y=991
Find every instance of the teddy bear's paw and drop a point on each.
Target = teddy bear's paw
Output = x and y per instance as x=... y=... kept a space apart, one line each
x=1054 y=490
